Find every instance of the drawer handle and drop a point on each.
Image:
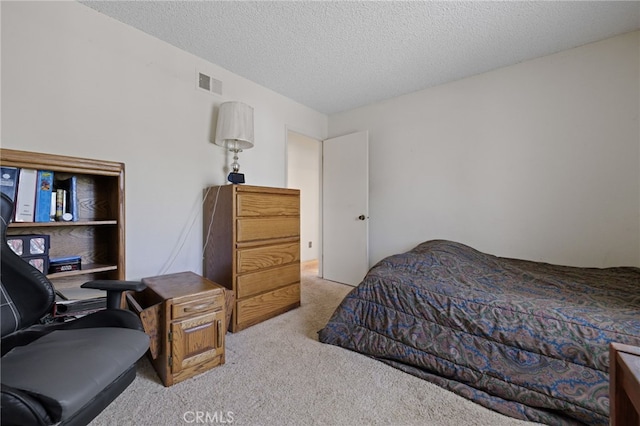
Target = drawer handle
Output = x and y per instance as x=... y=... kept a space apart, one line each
x=219 y=333
x=198 y=307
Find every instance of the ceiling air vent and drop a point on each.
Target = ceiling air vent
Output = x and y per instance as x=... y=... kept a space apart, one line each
x=209 y=84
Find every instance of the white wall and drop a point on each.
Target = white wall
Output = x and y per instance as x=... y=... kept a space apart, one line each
x=540 y=160
x=303 y=163
x=75 y=82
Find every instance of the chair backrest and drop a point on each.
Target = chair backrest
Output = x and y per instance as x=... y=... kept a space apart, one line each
x=26 y=295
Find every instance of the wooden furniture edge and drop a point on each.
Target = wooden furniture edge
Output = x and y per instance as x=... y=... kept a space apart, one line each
x=270 y=189
x=623 y=385
x=56 y=162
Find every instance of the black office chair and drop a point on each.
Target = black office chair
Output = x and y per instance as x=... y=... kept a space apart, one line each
x=64 y=372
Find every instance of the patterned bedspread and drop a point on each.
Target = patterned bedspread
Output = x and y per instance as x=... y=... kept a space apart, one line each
x=527 y=339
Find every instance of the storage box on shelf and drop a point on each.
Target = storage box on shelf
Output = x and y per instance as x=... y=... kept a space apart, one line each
x=252 y=239
x=99 y=233
x=32 y=248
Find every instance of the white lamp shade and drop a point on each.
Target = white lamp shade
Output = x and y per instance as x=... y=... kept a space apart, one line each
x=235 y=126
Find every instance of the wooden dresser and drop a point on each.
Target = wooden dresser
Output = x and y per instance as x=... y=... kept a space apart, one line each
x=252 y=247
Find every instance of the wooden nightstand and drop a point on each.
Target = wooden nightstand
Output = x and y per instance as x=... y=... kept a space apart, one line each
x=184 y=315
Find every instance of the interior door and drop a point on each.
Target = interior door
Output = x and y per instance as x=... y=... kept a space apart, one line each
x=345 y=208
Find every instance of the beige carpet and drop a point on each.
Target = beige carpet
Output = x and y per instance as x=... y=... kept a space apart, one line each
x=277 y=373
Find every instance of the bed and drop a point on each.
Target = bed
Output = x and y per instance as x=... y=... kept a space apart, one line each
x=527 y=339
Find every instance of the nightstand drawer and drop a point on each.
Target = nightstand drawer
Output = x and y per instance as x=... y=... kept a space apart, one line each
x=253 y=259
x=204 y=305
x=258 y=282
x=268 y=228
x=267 y=205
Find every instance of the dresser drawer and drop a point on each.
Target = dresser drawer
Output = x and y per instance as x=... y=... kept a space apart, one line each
x=267 y=305
x=258 y=282
x=267 y=205
x=204 y=305
x=252 y=259
x=264 y=229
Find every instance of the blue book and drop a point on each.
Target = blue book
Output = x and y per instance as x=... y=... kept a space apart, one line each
x=9 y=181
x=44 y=189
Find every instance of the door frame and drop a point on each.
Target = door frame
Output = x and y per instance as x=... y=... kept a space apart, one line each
x=320 y=230
x=319 y=140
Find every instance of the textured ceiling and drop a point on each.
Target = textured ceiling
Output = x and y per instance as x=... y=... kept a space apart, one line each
x=338 y=55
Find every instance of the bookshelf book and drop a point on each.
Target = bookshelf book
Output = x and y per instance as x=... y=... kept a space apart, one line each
x=98 y=235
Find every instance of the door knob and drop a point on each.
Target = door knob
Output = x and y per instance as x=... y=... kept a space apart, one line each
x=361 y=217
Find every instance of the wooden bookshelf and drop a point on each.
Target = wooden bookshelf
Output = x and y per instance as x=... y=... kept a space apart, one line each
x=98 y=236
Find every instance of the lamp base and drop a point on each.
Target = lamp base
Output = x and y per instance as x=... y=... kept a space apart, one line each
x=236 y=177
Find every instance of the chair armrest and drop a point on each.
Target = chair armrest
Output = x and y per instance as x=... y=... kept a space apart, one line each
x=114 y=289
x=20 y=407
x=118 y=285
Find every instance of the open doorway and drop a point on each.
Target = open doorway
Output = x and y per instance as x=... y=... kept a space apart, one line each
x=304 y=166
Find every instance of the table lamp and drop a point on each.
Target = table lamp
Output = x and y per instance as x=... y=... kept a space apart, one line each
x=234 y=132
